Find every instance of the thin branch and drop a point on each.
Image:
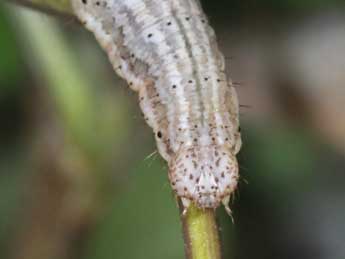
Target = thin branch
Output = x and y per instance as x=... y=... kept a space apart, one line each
x=201 y=235
x=55 y=7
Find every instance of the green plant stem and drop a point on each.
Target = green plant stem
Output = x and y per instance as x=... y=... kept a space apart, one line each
x=201 y=235
x=56 y=7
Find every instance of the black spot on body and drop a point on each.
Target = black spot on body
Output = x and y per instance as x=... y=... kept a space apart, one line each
x=159 y=134
x=217 y=162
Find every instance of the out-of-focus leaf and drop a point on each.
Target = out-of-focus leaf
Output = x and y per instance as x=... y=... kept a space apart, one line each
x=9 y=58
x=143 y=221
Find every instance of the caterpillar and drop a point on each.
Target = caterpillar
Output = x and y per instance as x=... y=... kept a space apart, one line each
x=168 y=53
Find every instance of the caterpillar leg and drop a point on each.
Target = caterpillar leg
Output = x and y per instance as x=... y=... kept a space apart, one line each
x=225 y=202
x=186 y=203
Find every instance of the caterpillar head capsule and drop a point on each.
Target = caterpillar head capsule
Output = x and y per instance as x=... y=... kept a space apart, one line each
x=205 y=175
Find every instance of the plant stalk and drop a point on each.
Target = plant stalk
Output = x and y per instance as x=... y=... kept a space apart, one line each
x=201 y=235
x=55 y=7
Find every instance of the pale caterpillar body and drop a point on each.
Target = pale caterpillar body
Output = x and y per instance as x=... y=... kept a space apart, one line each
x=167 y=52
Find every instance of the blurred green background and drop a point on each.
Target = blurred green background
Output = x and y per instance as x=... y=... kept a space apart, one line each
x=78 y=174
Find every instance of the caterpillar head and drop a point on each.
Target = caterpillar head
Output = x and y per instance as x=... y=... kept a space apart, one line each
x=205 y=175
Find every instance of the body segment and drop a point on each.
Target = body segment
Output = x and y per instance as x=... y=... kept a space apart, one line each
x=167 y=52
